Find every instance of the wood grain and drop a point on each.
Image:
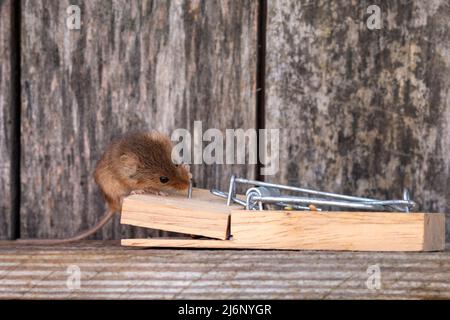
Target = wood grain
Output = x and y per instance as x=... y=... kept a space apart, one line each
x=361 y=111
x=202 y=215
x=110 y=271
x=134 y=65
x=354 y=231
x=178 y=243
x=434 y=230
x=6 y=107
x=340 y=231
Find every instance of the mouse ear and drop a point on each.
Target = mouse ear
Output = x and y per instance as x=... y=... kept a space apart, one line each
x=129 y=163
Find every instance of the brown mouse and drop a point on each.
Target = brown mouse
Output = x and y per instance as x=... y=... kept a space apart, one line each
x=134 y=164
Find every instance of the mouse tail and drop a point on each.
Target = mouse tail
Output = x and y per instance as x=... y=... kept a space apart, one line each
x=83 y=235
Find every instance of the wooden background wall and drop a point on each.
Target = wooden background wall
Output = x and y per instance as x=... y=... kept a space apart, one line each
x=360 y=111
x=6 y=130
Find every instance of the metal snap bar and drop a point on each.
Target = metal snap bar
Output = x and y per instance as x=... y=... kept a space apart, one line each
x=266 y=193
x=225 y=196
x=189 y=194
x=249 y=203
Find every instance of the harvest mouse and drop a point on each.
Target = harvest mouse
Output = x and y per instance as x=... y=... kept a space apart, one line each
x=134 y=164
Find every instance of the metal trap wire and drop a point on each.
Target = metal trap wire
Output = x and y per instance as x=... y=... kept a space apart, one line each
x=265 y=195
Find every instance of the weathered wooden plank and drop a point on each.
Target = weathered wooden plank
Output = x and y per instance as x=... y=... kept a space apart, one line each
x=5 y=119
x=109 y=271
x=362 y=111
x=132 y=65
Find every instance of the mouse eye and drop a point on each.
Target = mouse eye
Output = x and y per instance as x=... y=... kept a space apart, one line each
x=163 y=179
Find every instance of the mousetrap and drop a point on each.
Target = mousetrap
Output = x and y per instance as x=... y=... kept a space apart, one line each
x=268 y=218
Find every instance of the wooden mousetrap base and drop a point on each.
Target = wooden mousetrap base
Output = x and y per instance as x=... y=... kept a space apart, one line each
x=209 y=216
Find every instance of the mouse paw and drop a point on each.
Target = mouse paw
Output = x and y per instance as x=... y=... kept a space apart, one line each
x=155 y=192
x=137 y=192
